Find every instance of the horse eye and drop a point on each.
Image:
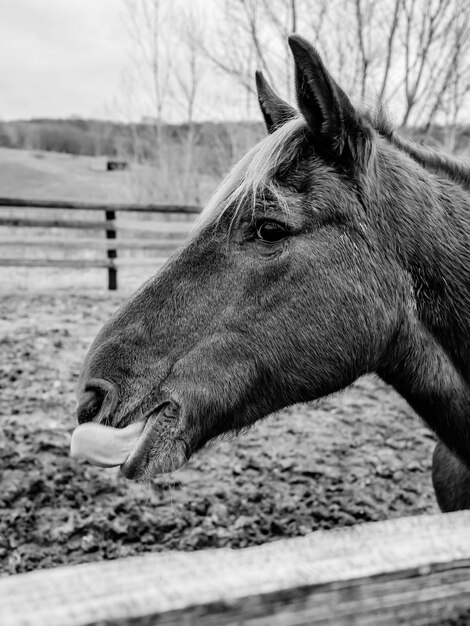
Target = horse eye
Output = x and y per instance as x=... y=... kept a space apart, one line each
x=270 y=232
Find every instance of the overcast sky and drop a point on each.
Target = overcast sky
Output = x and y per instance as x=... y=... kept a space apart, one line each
x=61 y=57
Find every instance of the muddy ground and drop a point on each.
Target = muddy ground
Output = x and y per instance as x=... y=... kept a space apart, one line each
x=359 y=456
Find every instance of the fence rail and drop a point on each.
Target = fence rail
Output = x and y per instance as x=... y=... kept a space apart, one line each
x=120 y=234
x=91 y=242
x=413 y=571
x=98 y=206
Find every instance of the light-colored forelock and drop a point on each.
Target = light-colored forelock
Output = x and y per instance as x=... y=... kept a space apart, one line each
x=252 y=177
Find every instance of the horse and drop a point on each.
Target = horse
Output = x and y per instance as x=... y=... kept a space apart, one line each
x=334 y=248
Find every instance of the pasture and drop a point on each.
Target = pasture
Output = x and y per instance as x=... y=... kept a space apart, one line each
x=358 y=456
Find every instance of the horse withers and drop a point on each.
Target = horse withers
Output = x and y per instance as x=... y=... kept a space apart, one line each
x=333 y=249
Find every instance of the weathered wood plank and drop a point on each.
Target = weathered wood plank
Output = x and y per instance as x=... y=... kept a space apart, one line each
x=85 y=243
x=28 y=222
x=98 y=206
x=118 y=225
x=110 y=216
x=181 y=228
x=141 y=261
x=414 y=571
x=79 y=263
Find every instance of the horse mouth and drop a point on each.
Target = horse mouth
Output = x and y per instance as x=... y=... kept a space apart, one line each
x=160 y=448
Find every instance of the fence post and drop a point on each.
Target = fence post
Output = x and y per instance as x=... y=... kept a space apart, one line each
x=112 y=253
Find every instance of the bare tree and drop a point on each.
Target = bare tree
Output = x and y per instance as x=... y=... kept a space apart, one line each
x=147 y=23
x=252 y=34
x=364 y=11
x=390 y=40
x=282 y=16
x=454 y=85
x=232 y=50
x=426 y=26
x=413 y=55
x=188 y=75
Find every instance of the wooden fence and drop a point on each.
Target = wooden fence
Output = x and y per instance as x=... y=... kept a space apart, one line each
x=160 y=237
x=412 y=571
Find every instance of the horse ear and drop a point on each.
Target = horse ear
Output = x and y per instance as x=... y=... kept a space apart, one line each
x=275 y=111
x=332 y=119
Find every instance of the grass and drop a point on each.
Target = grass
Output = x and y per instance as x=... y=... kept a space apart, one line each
x=49 y=175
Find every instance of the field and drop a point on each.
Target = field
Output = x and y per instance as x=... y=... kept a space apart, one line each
x=360 y=455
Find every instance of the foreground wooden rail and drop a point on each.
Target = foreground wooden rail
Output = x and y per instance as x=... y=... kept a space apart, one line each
x=410 y=571
x=109 y=224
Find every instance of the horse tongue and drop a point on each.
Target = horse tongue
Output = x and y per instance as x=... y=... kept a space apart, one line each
x=103 y=445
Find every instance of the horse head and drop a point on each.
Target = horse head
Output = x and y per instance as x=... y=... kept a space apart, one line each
x=292 y=285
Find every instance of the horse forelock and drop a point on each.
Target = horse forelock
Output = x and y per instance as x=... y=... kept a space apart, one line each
x=254 y=175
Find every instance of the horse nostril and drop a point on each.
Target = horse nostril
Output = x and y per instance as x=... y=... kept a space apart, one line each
x=92 y=399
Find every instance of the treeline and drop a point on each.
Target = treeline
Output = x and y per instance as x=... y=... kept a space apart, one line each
x=139 y=141
x=136 y=141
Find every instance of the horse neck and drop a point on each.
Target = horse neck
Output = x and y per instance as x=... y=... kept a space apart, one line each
x=426 y=218
x=427 y=221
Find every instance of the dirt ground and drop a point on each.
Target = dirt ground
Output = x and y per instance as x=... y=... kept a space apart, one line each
x=361 y=455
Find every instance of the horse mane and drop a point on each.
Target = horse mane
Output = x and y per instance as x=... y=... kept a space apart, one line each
x=457 y=169
x=253 y=176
